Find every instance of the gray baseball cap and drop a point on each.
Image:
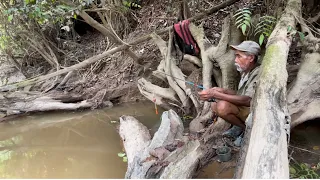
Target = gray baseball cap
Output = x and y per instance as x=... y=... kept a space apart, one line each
x=248 y=46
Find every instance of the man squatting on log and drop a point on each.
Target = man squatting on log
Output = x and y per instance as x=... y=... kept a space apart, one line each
x=234 y=107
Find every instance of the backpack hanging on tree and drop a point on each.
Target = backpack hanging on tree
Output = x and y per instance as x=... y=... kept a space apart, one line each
x=183 y=38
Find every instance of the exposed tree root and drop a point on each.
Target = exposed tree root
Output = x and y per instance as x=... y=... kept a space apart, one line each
x=169 y=154
x=304 y=92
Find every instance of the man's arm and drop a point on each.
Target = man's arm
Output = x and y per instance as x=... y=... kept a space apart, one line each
x=225 y=91
x=232 y=98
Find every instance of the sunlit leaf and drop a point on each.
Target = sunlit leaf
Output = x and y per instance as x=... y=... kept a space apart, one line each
x=247 y=23
x=292 y=170
x=244 y=28
x=302 y=38
x=121 y=154
x=125 y=159
x=10 y=18
x=261 y=39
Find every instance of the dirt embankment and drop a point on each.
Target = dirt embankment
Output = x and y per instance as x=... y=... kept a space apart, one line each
x=118 y=74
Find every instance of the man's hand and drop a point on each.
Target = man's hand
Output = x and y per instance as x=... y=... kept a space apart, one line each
x=207 y=94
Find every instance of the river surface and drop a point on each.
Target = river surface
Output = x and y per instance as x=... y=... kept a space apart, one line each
x=68 y=144
x=85 y=144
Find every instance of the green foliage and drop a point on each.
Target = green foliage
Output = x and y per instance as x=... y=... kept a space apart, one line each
x=186 y=118
x=294 y=32
x=304 y=171
x=243 y=20
x=265 y=27
x=130 y=4
x=27 y=15
x=123 y=156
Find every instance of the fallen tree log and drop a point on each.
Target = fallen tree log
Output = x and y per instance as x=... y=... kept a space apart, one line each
x=22 y=102
x=266 y=153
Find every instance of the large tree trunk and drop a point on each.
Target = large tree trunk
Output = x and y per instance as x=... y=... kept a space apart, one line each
x=266 y=153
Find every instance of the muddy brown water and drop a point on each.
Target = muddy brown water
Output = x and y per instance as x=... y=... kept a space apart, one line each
x=81 y=144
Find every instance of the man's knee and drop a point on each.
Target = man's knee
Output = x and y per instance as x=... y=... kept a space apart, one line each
x=214 y=107
x=223 y=108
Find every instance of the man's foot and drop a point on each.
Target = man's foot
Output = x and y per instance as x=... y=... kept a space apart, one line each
x=238 y=141
x=233 y=132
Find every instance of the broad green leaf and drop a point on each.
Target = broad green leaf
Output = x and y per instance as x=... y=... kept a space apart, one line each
x=237 y=14
x=125 y=159
x=247 y=18
x=301 y=36
x=239 y=25
x=240 y=21
x=244 y=28
x=10 y=18
x=289 y=28
x=266 y=34
x=257 y=31
x=292 y=170
x=75 y=16
x=261 y=39
x=239 y=17
x=247 y=15
x=121 y=154
x=247 y=11
x=247 y=23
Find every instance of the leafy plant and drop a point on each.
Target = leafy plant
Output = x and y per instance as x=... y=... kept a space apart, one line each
x=123 y=156
x=265 y=27
x=293 y=32
x=243 y=20
x=304 y=171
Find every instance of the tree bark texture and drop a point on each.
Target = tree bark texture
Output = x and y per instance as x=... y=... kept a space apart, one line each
x=266 y=155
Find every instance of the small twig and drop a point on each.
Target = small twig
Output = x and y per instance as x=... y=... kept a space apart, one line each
x=290 y=156
x=306 y=150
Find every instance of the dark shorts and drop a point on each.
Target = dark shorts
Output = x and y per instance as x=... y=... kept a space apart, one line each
x=243 y=112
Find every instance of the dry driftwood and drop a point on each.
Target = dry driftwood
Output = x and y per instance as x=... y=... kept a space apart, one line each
x=23 y=102
x=168 y=154
x=225 y=74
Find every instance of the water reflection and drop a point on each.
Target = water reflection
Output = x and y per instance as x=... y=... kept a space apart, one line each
x=67 y=145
